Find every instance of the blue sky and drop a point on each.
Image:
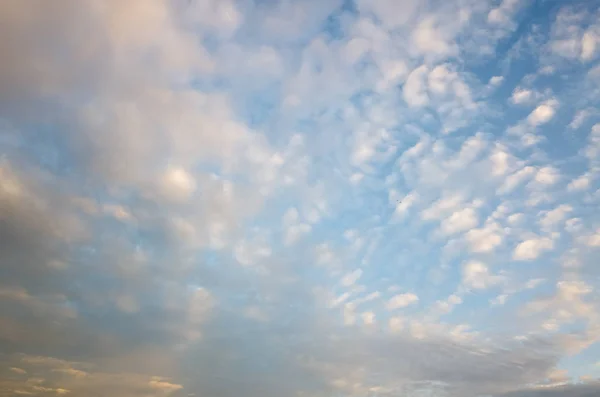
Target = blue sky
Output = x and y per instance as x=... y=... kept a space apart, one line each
x=300 y=198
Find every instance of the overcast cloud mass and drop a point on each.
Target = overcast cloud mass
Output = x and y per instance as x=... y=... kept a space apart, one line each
x=311 y=198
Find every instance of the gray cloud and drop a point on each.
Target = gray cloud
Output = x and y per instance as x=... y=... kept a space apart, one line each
x=36 y=224
x=578 y=390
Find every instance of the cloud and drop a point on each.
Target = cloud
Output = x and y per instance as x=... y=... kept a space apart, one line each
x=580 y=117
x=504 y=13
x=177 y=184
x=351 y=278
x=294 y=228
x=405 y=204
x=444 y=205
x=427 y=38
x=522 y=96
x=415 y=91
x=35 y=219
x=252 y=251
x=580 y=183
x=485 y=239
x=502 y=161
x=60 y=377
x=514 y=180
x=531 y=249
x=496 y=80
x=593 y=239
x=543 y=113
x=570 y=37
x=298 y=198
x=547 y=176
x=558 y=214
x=476 y=275
x=593 y=147
x=588 y=45
x=459 y=221
x=402 y=300
x=577 y=390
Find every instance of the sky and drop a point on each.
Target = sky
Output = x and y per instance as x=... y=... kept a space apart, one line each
x=310 y=198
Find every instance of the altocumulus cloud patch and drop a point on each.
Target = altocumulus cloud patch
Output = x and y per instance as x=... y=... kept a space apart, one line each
x=299 y=198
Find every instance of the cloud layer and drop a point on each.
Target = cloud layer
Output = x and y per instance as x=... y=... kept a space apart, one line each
x=299 y=198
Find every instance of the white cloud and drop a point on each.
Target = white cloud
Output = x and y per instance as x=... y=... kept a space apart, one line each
x=547 y=175
x=402 y=300
x=454 y=299
x=250 y=252
x=496 y=80
x=589 y=43
x=355 y=49
x=391 y=13
x=415 y=90
x=459 y=221
x=223 y=16
x=531 y=249
x=446 y=306
x=514 y=180
x=439 y=80
x=19 y=371
x=164 y=386
x=549 y=219
x=485 y=239
x=499 y=300
x=444 y=206
x=177 y=184
x=368 y=318
x=573 y=225
x=538 y=197
x=592 y=239
x=515 y=219
x=580 y=117
x=476 y=275
x=294 y=228
x=570 y=39
x=351 y=278
x=497 y=16
x=393 y=72
x=501 y=211
x=295 y=232
x=338 y=300
x=529 y=139
x=396 y=324
x=503 y=14
x=521 y=96
x=592 y=151
x=567 y=305
x=405 y=204
x=428 y=39
x=502 y=161
x=580 y=183
x=534 y=283
x=356 y=178
x=543 y=113
x=566 y=34
x=469 y=152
